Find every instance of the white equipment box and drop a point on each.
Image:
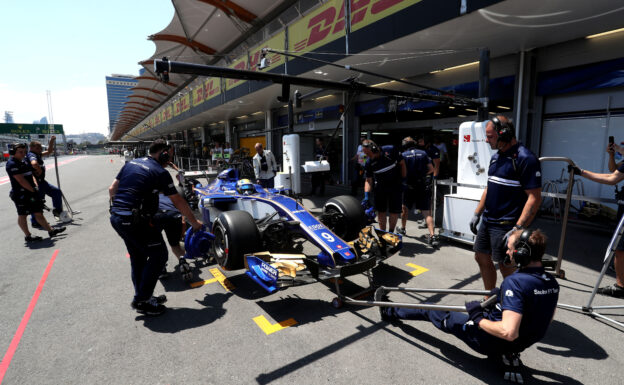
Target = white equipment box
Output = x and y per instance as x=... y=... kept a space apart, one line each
x=282 y=180
x=473 y=160
x=316 y=166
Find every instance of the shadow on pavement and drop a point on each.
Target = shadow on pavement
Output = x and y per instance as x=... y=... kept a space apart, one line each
x=570 y=342
x=178 y=319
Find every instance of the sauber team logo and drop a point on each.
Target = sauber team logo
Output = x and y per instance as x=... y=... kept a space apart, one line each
x=466 y=138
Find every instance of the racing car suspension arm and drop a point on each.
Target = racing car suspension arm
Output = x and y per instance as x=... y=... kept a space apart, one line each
x=426 y=306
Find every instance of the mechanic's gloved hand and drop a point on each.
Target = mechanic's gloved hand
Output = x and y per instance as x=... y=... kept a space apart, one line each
x=577 y=170
x=475 y=311
x=366 y=197
x=507 y=235
x=474 y=223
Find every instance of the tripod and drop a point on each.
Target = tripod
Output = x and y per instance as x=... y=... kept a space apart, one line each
x=588 y=309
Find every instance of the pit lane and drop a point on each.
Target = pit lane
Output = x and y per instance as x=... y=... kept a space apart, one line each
x=81 y=328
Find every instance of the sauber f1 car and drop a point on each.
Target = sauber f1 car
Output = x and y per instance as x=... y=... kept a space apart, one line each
x=263 y=230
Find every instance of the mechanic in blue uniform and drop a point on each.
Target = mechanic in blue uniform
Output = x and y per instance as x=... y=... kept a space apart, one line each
x=510 y=200
x=35 y=158
x=170 y=220
x=419 y=172
x=616 y=289
x=385 y=175
x=134 y=197
x=25 y=194
x=425 y=142
x=524 y=307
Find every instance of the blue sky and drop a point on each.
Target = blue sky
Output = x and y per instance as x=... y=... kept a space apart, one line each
x=69 y=47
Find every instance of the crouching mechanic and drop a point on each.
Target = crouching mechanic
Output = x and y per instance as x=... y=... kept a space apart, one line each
x=169 y=219
x=525 y=305
x=134 y=201
x=385 y=175
x=25 y=194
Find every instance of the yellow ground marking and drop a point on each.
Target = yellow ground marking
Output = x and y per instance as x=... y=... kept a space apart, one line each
x=269 y=328
x=202 y=283
x=227 y=285
x=419 y=269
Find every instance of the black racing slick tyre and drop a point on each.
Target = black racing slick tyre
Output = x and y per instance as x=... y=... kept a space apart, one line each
x=236 y=234
x=353 y=217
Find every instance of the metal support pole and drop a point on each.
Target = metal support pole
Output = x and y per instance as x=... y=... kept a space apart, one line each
x=484 y=84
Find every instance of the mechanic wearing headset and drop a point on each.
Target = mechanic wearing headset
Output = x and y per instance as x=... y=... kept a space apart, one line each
x=525 y=305
x=25 y=194
x=510 y=200
x=134 y=197
x=386 y=175
x=419 y=172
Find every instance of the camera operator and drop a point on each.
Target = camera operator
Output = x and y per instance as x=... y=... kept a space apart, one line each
x=134 y=197
x=25 y=194
x=617 y=289
x=525 y=304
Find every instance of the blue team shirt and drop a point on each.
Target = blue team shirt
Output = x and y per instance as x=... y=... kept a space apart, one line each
x=433 y=152
x=533 y=293
x=416 y=162
x=165 y=203
x=17 y=167
x=140 y=181
x=385 y=169
x=509 y=175
x=30 y=156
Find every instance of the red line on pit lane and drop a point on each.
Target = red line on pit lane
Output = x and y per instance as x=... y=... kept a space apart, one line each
x=4 y=365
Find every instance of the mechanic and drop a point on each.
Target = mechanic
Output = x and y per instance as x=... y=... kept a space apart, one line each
x=217 y=154
x=425 y=142
x=525 y=304
x=318 y=178
x=264 y=165
x=386 y=175
x=358 y=160
x=509 y=202
x=134 y=197
x=169 y=219
x=617 y=289
x=35 y=158
x=24 y=193
x=418 y=193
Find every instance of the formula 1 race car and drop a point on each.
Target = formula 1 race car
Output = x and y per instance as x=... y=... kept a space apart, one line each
x=264 y=230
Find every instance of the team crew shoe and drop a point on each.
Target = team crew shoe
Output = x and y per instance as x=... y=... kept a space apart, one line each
x=400 y=230
x=384 y=311
x=151 y=306
x=56 y=231
x=612 y=290
x=30 y=239
x=433 y=240
x=185 y=270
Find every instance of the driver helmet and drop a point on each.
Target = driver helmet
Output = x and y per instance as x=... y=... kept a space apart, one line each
x=245 y=187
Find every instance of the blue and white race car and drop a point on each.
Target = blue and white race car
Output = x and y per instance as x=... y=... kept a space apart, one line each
x=264 y=231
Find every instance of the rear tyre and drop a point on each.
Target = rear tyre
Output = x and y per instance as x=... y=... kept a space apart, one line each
x=236 y=234
x=351 y=218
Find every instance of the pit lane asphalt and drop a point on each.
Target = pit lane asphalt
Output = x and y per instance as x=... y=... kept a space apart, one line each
x=82 y=330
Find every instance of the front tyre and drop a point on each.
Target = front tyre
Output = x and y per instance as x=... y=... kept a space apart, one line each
x=345 y=216
x=236 y=234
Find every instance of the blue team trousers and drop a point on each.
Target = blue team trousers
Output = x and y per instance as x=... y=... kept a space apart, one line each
x=455 y=323
x=53 y=192
x=148 y=253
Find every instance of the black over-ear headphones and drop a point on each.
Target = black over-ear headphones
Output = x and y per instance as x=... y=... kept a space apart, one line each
x=164 y=157
x=372 y=145
x=505 y=130
x=522 y=252
x=14 y=146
